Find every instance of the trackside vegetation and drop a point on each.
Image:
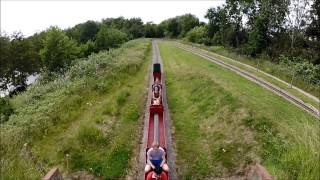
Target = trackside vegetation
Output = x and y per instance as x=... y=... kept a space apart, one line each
x=224 y=122
x=86 y=119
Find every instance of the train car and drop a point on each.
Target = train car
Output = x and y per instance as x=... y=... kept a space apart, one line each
x=156 y=128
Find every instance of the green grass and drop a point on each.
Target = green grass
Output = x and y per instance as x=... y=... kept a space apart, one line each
x=269 y=67
x=84 y=120
x=223 y=122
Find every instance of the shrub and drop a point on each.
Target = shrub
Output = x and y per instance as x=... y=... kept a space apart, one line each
x=58 y=50
x=109 y=38
x=302 y=69
x=198 y=35
x=5 y=110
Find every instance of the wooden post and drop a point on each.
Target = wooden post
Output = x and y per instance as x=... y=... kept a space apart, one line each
x=53 y=174
x=258 y=64
x=292 y=79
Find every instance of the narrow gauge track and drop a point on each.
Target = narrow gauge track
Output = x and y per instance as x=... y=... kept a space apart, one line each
x=157 y=122
x=257 y=80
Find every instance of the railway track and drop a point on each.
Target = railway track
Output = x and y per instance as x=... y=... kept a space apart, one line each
x=313 y=111
x=156 y=58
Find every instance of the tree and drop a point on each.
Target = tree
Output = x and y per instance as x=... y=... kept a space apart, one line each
x=18 y=60
x=58 y=51
x=266 y=18
x=258 y=37
x=88 y=31
x=297 y=18
x=198 y=35
x=217 y=19
x=150 y=30
x=187 y=22
x=132 y=27
x=109 y=38
x=4 y=61
x=135 y=28
x=313 y=30
x=74 y=33
x=87 y=48
x=171 y=27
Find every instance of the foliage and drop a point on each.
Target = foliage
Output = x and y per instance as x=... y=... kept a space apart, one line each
x=18 y=59
x=302 y=69
x=179 y=25
x=198 y=35
x=88 y=48
x=188 y=22
x=84 y=32
x=5 y=109
x=313 y=30
x=109 y=38
x=58 y=50
x=153 y=30
x=132 y=27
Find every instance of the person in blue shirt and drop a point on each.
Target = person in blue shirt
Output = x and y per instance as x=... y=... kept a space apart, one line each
x=156 y=158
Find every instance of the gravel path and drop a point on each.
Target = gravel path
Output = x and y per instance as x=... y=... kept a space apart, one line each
x=293 y=99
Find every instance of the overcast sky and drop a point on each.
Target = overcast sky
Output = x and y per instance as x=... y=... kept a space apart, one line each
x=34 y=16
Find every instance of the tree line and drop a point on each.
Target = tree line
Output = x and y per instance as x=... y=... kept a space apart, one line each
x=282 y=29
x=54 y=50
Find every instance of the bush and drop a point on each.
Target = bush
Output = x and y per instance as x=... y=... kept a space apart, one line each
x=87 y=48
x=5 y=109
x=302 y=69
x=58 y=50
x=198 y=35
x=109 y=38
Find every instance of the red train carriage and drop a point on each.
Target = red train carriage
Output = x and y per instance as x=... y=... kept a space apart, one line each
x=156 y=128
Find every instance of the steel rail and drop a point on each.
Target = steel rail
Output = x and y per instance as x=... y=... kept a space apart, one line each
x=259 y=81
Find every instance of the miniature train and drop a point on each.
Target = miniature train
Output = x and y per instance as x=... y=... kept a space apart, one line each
x=156 y=128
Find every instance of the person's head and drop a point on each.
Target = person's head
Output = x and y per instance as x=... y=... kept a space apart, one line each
x=155 y=145
x=156 y=89
x=157 y=81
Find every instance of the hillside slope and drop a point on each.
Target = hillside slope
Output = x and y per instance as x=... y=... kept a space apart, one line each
x=87 y=119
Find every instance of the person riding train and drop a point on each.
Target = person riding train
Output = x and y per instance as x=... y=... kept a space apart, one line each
x=156 y=158
x=156 y=92
x=156 y=84
x=156 y=96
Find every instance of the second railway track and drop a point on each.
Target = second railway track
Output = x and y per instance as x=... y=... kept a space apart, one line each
x=313 y=111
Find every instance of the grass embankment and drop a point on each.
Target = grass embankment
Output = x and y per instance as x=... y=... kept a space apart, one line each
x=223 y=122
x=267 y=66
x=85 y=120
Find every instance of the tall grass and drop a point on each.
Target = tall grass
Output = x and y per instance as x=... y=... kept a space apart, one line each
x=56 y=113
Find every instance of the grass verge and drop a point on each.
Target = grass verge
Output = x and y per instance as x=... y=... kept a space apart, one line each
x=223 y=122
x=85 y=120
x=271 y=68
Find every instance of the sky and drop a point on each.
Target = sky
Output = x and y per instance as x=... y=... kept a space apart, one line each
x=30 y=17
